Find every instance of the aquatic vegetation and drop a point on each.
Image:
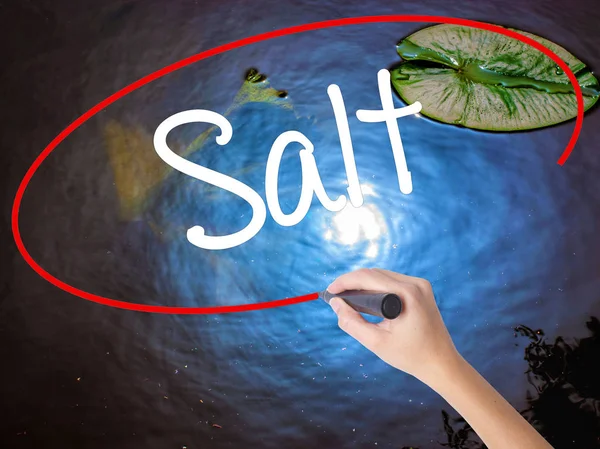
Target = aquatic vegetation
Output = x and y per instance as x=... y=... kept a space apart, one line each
x=566 y=403
x=135 y=174
x=136 y=168
x=255 y=89
x=488 y=81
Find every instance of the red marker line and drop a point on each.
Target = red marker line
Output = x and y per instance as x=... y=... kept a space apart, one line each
x=222 y=49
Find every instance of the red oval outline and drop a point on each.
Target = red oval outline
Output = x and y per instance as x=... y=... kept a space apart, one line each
x=222 y=49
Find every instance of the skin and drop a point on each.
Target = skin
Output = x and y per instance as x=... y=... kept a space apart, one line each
x=418 y=343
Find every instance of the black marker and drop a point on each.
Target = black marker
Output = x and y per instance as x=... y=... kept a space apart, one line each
x=384 y=305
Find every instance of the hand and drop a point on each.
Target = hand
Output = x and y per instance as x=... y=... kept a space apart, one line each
x=417 y=342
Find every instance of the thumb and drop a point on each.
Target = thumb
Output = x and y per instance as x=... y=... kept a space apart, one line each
x=351 y=322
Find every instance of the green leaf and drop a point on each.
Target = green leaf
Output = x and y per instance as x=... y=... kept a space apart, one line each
x=484 y=80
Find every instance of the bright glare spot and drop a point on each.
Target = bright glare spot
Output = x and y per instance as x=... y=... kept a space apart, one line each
x=367 y=190
x=364 y=226
x=372 y=251
x=353 y=224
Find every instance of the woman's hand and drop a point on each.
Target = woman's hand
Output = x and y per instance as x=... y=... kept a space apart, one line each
x=417 y=342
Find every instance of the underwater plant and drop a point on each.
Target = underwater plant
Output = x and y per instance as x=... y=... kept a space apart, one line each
x=137 y=176
x=485 y=80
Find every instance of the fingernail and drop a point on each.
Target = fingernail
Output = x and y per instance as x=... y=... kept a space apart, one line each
x=335 y=304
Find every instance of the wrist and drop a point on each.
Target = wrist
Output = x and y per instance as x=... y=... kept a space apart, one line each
x=444 y=370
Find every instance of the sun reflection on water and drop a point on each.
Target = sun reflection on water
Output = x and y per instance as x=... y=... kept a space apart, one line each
x=354 y=226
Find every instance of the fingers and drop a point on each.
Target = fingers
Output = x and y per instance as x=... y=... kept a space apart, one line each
x=363 y=279
x=423 y=284
x=351 y=322
x=397 y=276
x=407 y=287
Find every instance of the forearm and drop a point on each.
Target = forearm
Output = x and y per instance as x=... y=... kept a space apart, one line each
x=496 y=422
x=419 y=343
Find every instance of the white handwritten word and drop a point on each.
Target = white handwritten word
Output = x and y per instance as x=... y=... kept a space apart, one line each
x=311 y=181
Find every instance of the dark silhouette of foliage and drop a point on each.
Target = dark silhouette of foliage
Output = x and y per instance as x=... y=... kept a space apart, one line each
x=565 y=403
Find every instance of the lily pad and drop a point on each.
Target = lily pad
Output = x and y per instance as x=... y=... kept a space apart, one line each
x=484 y=80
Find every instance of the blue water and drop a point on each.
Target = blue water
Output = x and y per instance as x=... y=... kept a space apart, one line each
x=505 y=235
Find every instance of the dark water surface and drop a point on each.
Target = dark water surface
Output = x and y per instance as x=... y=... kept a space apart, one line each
x=506 y=236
